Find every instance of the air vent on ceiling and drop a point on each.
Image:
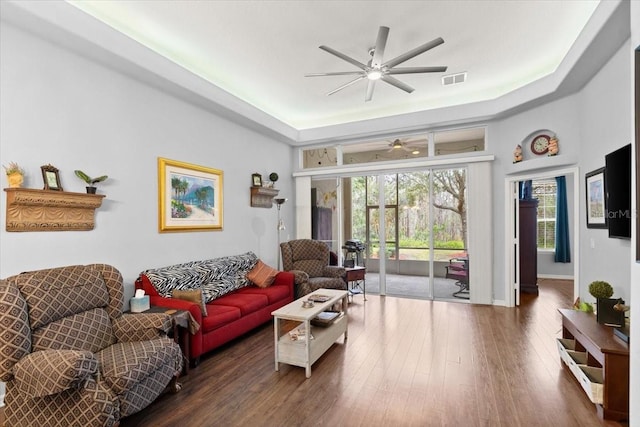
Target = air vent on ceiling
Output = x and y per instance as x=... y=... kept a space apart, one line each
x=453 y=79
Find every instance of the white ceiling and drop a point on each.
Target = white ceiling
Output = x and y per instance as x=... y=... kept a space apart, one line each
x=259 y=51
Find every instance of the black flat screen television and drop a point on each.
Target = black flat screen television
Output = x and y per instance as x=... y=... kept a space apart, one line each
x=617 y=180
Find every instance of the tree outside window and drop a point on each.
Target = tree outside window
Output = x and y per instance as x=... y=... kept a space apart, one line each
x=407 y=200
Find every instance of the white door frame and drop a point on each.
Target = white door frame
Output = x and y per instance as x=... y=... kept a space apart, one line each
x=511 y=219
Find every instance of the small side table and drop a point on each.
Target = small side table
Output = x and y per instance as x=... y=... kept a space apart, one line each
x=180 y=332
x=355 y=279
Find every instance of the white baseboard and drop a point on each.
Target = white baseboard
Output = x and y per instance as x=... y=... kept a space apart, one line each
x=499 y=302
x=555 y=276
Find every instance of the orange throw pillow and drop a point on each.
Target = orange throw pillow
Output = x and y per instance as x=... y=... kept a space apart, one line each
x=192 y=295
x=262 y=275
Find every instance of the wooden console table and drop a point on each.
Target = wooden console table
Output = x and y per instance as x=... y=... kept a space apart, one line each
x=606 y=351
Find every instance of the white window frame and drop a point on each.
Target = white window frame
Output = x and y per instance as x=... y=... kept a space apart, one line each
x=545 y=182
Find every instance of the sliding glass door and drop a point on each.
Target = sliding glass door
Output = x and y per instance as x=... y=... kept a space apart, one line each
x=411 y=249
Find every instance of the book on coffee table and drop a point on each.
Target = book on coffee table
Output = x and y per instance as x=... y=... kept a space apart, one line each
x=325 y=318
x=319 y=298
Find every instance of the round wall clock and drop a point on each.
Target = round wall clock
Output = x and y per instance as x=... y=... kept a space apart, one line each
x=540 y=144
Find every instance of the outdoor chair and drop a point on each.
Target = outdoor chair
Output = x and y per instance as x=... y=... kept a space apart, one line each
x=458 y=270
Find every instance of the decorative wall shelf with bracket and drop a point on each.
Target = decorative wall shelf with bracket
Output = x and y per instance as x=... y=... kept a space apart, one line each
x=540 y=164
x=262 y=197
x=29 y=209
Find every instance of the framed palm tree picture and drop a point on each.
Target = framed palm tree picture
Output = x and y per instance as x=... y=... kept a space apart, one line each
x=190 y=197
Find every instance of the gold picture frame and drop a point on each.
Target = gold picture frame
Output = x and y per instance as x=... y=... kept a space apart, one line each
x=51 y=178
x=190 y=197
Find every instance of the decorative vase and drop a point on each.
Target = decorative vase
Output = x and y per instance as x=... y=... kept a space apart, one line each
x=91 y=190
x=15 y=179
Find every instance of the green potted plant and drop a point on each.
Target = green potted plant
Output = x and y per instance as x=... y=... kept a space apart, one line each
x=91 y=188
x=600 y=289
x=602 y=292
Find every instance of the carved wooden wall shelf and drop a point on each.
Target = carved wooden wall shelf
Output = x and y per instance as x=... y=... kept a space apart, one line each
x=262 y=197
x=29 y=209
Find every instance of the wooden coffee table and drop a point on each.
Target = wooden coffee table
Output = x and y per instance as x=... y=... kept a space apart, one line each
x=305 y=352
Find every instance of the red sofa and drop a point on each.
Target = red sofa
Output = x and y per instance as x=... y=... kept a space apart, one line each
x=228 y=316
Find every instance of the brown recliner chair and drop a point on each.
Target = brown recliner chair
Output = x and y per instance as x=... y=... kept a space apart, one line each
x=308 y=260
x=70 y=357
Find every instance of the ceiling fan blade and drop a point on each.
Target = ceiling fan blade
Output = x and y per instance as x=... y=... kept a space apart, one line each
x=343 y=57
x=346 y=85
x=414 y=52
x=337 y=73
x=381 y=43
x=413 y=70
x=371 y=85
x=397 y=83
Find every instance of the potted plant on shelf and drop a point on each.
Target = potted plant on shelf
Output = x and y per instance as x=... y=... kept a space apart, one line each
x=606 y=311
x=91 y=189
x=15 y=175
x=600 y=290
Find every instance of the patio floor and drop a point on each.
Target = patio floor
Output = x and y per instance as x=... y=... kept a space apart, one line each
x=400 y=285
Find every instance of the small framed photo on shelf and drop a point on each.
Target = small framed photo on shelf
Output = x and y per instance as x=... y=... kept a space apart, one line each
x=256 y=180
x=51 y=178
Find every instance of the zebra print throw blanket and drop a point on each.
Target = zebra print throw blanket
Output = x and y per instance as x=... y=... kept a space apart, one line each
x=215 y=277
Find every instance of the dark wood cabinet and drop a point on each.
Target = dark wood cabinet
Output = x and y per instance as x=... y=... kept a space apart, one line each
x=528 y=246
x=606 y=355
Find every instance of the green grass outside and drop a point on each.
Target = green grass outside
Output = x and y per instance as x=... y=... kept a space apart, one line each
x=424 y=254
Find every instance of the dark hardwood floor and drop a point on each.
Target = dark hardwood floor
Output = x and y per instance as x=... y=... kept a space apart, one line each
x=406 y=363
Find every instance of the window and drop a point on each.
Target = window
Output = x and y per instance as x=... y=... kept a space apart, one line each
x=425 y=145
x=408 y=226
x=545 y=191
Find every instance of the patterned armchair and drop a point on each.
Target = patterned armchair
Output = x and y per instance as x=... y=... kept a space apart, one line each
x=70 y=357
x=308 y=260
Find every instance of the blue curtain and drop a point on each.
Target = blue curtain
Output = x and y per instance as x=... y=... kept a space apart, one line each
x=525 y=189
x=563 y=249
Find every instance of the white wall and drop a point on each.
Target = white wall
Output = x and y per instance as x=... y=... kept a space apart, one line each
x=558 y=116
x=635 y=267
x=59 y=108
x=605 y=125
x=588 y=124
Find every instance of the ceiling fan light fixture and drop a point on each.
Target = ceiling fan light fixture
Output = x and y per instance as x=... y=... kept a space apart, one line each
x=374 y=74
x=377 y=69
x=396 y=144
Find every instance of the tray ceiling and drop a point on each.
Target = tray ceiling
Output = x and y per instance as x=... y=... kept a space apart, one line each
x=259 y=51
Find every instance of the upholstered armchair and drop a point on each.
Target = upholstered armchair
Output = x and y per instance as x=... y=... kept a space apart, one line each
x=308 y=260
x=70 y=357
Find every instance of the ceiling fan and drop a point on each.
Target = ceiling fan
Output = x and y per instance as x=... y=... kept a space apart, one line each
x=375 y=69
x=409 y=147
